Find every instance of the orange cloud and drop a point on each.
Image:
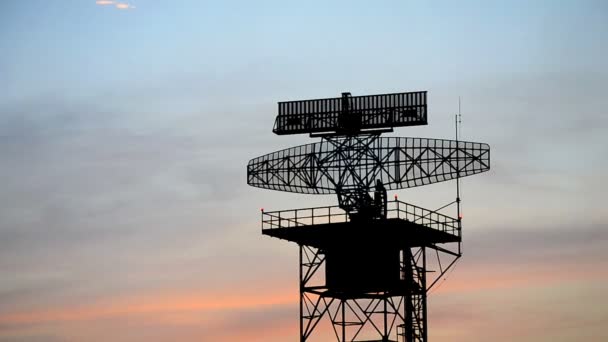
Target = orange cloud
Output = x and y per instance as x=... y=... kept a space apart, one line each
x=195 y=315
x=465 y=280
x=117 y=4
x=123 y=6
x=483 y=278
x=151 y=304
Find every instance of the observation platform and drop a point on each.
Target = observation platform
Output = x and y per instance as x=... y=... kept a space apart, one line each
x=405 y=226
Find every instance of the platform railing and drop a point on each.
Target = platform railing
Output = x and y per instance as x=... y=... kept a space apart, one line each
x=333 y=214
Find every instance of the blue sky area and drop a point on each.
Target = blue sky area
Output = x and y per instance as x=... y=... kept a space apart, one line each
x=125 y=129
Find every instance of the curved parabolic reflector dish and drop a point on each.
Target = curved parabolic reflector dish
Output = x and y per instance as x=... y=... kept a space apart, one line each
x=343 y=164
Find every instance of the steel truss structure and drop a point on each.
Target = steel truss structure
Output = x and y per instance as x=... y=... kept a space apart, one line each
x=349 y=316
x=384 y=316
x=366 y=265
x=350 y=166
x=397 y=313
x=351 y=113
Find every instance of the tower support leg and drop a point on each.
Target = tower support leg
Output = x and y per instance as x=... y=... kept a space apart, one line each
x=379 y=316
x=414 y=328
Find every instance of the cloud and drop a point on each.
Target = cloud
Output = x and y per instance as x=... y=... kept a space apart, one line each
x=155 y=304
x=117 y=4
x=123 y=6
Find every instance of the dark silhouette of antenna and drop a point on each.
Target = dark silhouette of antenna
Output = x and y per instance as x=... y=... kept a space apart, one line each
x=364 y=264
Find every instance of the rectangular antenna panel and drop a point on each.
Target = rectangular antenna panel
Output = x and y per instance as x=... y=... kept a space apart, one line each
x=352 y=113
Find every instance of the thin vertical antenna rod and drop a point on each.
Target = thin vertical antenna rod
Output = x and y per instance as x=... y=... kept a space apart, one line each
x=457 y=121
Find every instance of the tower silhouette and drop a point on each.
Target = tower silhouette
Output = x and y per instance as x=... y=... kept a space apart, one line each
x=364 y=264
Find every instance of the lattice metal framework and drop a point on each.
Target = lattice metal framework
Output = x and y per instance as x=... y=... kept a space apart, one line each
x=351 y=113
x=350 y=166
x=374 y=315
x=377 y=316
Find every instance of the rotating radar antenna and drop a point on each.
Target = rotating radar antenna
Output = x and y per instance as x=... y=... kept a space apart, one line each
x=373 y=251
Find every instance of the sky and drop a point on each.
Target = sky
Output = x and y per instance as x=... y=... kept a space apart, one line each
x=126 y=127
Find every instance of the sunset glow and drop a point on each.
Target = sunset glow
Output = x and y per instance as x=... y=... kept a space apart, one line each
x=126 y=128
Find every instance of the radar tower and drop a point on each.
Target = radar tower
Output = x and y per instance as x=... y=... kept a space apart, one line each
x=367 y=264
